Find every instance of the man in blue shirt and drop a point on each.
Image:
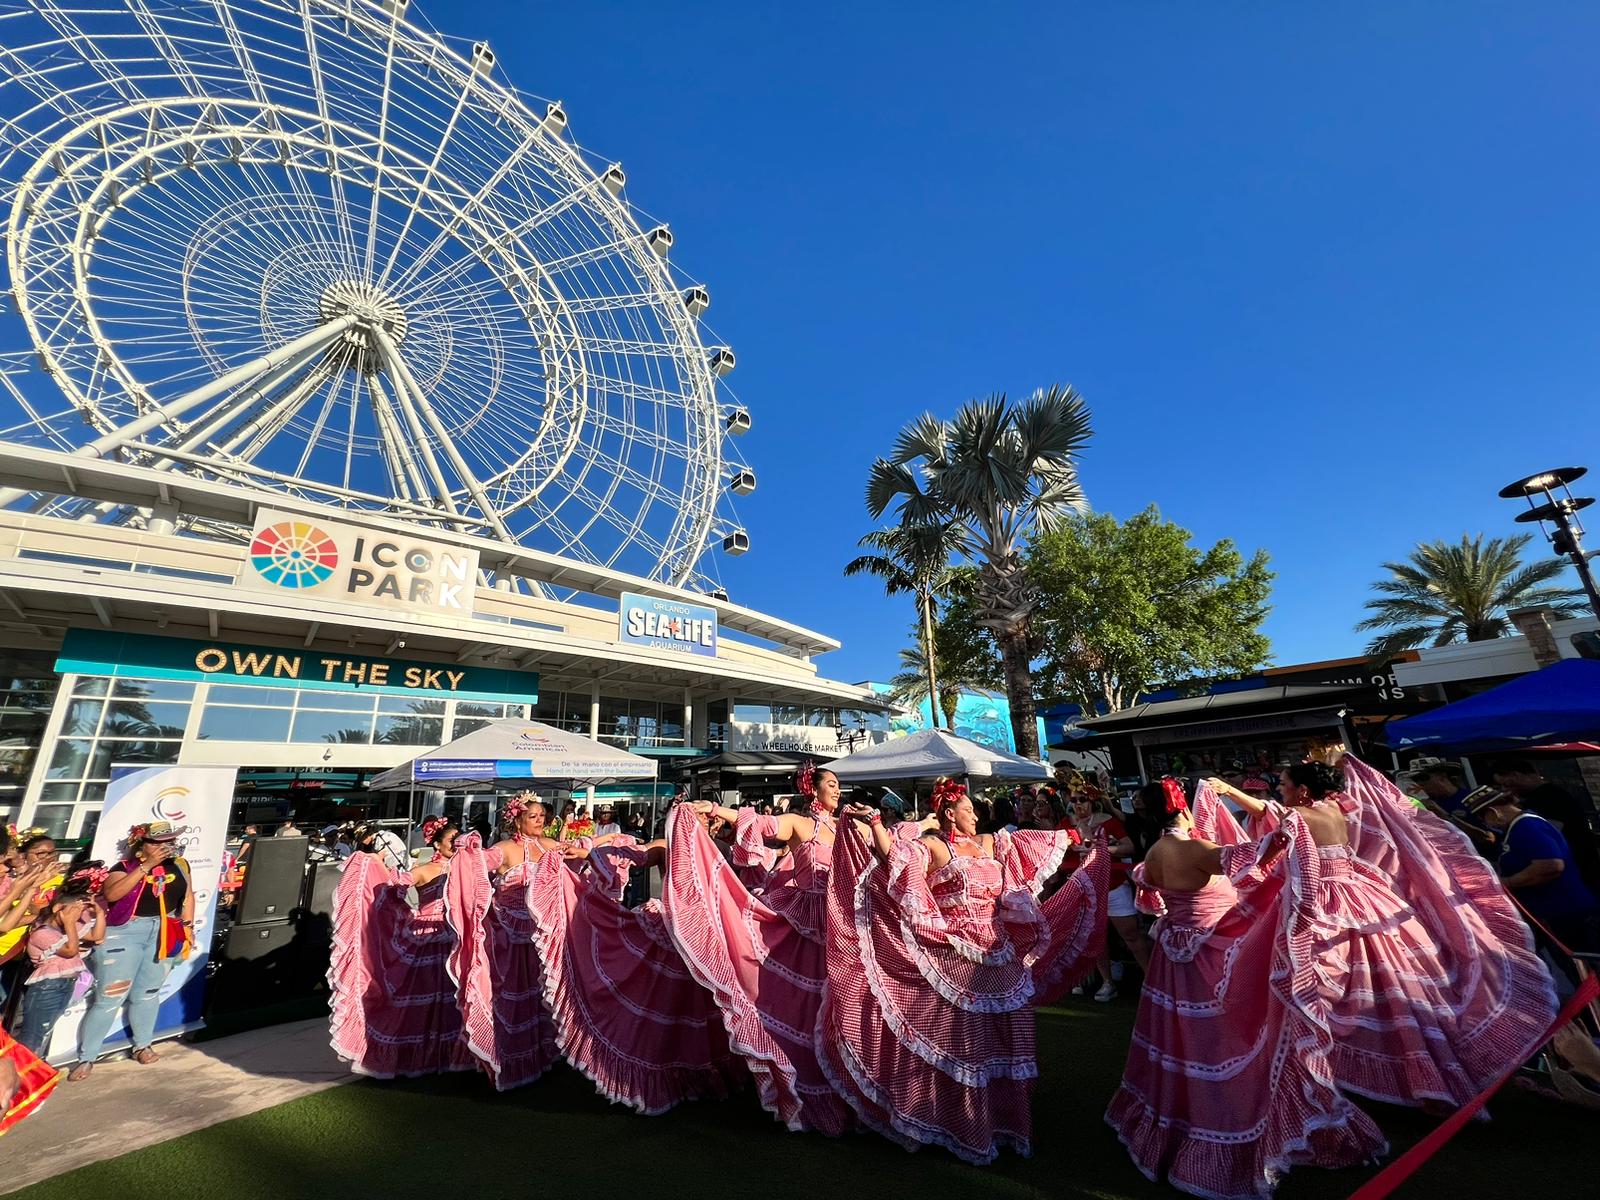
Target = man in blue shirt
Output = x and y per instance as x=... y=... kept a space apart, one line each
x=1444 y=791
x=1536 y=864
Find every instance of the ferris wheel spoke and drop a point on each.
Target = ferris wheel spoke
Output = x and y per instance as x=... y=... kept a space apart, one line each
x=319 y=89
x=382 y=145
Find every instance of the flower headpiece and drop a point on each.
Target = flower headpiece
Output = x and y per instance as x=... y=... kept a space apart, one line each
x=89 y=878
x=433 y=827
x=136 y=833
x=511 y=811
x=805 y=779
x=1176 y=802
x=946 y=794
x=18 y=836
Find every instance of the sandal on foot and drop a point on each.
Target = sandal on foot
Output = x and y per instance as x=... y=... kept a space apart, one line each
x=144 y=1056
x=79 y=1073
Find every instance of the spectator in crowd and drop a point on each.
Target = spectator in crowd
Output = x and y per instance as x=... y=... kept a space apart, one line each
x=578 y=825
x=1094 y=814
x=636 y=824
x=149 y=923
x=1534 y=794
x=58 y=947
x=288 y=829
x=385 y=843
x=607 y=823
x=36 y=852
x=1443 y=788
x=1536 y=864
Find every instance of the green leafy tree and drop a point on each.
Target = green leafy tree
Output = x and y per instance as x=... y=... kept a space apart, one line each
x=913 y=557
x=1001 y=473
x=966 y=662
x=1461 y=591
x=1127 y=605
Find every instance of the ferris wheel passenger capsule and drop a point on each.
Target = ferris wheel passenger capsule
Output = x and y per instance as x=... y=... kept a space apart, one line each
x=482 y=58
x=742 y=482
x=739 y=421
x=555 y=119
x=722 y=361
x=614 y=179
x=696 y=299
x=736 y=542
x=659 y=240
x=718 y=594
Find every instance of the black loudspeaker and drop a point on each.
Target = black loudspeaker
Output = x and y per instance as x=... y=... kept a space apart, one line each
x=274 y=874
x=321 y=879
x=257 y=941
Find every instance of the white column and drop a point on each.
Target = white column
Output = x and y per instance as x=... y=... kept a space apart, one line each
x=688 y=718
x=594 y=732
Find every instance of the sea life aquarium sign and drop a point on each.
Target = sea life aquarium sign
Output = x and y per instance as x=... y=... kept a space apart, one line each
x=140 y=656
x=327 y=559
x=667 y=625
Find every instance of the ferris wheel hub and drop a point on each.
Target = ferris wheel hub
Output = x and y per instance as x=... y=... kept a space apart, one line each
x=373 y=309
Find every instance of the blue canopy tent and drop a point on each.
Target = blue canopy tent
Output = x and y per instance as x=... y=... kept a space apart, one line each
x=1561 y=703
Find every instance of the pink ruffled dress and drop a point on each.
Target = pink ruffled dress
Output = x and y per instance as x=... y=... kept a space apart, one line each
x=1433 y=984
x=761 y=958
x=628 y=1015
x=927 y=1027
x=1229 y=1081
x=393 y=1009
x=495 y=962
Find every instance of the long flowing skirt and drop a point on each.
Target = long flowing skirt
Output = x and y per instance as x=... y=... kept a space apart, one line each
x=36 y=1079
x=393 y=1009
x=627 y=1013
x=765 y=975
x=928 y=1044
x=1229 y=1080
x=495 y=964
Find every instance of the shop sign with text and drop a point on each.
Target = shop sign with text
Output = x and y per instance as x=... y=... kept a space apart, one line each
x=331 y=560
x=667 y=625
x=141 y=656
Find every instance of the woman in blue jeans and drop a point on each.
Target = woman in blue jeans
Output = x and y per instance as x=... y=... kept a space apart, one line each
x=150 y=923
x=58 y=946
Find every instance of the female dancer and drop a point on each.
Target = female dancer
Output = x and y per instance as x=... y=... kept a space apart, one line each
x=393 y=1008
x=1093 y=816
x=938 y=949
x=1229 y=1080
x=627 y=1014
x=495 y=961
x=1433 y=985
x=763 y=958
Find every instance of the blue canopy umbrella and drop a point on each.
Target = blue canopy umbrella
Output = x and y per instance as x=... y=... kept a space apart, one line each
x=1558 y=704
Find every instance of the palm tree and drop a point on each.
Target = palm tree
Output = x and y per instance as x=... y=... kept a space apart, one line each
x=913 y=558
x=910 y=685
x=1461 y=591
x=1000 y=472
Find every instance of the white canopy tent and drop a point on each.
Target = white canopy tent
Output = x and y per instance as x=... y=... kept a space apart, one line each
x=515 y=754
x=930 y=753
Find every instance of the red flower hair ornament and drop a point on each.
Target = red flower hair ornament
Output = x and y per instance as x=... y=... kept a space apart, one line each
x=1176 y=803
x=946 y=794
x=434 y=826
x=805 y=779
x=511 y=811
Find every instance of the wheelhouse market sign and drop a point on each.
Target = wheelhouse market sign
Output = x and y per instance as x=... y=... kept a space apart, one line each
x=331 y=560
x=141 y=656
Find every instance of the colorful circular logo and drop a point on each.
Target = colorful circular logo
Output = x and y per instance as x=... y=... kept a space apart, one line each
x=293 y=554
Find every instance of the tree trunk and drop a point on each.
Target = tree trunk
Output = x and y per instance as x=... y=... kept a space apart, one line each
x=1019 y=690
x=949 y=702
x=927 y=657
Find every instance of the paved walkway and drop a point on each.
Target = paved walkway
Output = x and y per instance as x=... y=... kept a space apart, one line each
x=124 y=1106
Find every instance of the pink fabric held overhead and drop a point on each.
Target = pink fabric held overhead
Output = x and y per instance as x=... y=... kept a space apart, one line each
x=627 y=1013
x=393 y=1004
x=1229 y=1080
x=762 y=959
x=495 y=965
x=927 y=1028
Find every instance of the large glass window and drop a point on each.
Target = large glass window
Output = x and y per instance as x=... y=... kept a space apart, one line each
x=27 y=691
x=225 y=723
x=749 y=710
x=341 y=728
x=111 y=721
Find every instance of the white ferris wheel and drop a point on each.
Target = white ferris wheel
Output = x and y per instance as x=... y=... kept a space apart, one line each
x=315 y=247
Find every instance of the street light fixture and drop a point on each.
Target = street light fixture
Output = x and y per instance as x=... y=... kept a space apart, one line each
x=1549 y=496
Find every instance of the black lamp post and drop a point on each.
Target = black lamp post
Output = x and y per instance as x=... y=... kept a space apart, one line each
x=1549 y=496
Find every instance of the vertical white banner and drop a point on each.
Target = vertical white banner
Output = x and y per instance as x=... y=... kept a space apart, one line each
x=197 y=799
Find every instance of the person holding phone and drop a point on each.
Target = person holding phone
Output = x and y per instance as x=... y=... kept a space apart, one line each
x=149 y=924
x=58 y=948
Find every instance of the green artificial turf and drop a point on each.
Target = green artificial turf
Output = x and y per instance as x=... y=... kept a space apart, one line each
x=455 y=1137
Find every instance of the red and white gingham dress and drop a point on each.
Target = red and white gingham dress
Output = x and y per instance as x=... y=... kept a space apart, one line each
x=628 y=1014
x=1229 y=1081
x=927 y=1028
x=393 y=1007
x=762 y=959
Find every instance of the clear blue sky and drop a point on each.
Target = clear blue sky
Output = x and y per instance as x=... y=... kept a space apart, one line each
x=1326 y=274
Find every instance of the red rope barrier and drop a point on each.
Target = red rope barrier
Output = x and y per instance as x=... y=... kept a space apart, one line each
x=1404 y=1167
